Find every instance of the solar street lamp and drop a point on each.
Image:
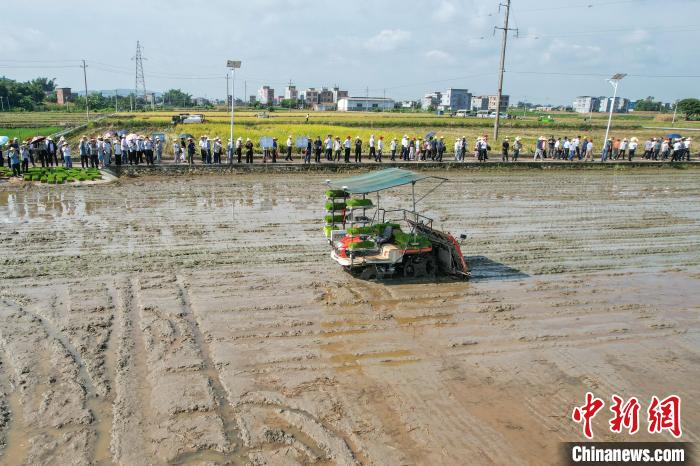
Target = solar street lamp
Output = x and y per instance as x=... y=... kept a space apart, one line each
x=614 y=82
x=233 y=65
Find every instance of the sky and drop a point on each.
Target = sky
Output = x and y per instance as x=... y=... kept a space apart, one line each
x=401 y=49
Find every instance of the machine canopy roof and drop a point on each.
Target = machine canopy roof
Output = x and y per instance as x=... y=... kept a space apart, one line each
x=378 y=180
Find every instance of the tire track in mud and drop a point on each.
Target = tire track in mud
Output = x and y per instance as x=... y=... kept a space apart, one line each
x=130 y=426
x=223 y=408
x=52 y=416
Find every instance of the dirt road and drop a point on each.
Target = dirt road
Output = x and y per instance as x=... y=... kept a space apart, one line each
x=200 y=321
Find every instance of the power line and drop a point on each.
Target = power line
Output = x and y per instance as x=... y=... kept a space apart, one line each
x=140 y=79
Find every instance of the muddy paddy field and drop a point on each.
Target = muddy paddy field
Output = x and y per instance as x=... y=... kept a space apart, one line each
x=199 y=320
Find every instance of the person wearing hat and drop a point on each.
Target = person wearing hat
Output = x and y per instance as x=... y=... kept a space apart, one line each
x=439 y=148
x=631 y=149
x=217 y=149
x=656 y=148
x=517 y=147
x=239 y=148
x=337 y=149
x=13 y=159
x=539 y=148
x=505 y=146
x=346 y=146
x=288 y=157
x=84 y=151
x=274 y=150
x=65 y=150
x=177 y=151
x=358 y=150
x=158 y=146
x=677 y=151
x=404 y=147
x=248 y=151
x=190 y=151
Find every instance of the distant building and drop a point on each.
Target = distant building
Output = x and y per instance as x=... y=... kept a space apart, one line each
x=266 y=95
x=325 y=96
x=324 y=107
x=408 y=104
x=63 y=95
x=586 y=104
x=455 y=99
x=360 y=104
x=479 y=102
x=310 y=97
x=431 y=100
x=291 y=93
x=338 y=94
x=621 y=104
x=504 y=103
x=201 y=101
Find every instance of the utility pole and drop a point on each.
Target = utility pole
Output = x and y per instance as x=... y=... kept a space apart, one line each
x=502 y=68
x=673 y=122
x=232 y=65
x=614 y=82
x=116 y=94
x=87 y=105
x=367 y=99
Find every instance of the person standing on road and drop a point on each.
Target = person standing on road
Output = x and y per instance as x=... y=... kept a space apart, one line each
x=372 y=151
x=632 y=148
x=589 y=150
x=458 y=148
x=337 y=149
x=440 y=148
x=347 y=145
x=656 y=149
x=148 y=150
x=288 y=157
x=504 y=153
x=217 y=149
x=318 y=148
x=24 y=152
x=539 y=148
x=13 y=159
x=176 y=152
x=392 y=148
x=517 y=146
x=159 y=149
x=328 y=144
x=52 y=149
x=623 y=149
x=648 y=148
x=93 y=153
x=117 y=148
x=248 y=151
x=190 y=151
x=380 y=149
x=404 y=147
x=358 y=150
x=125 y=150
x=551 y=143
x=677 y=148
x=686 y=148
x=606 y=150
x=67 y=162
x=108 y=151
x=84 y=152
x=239 y=149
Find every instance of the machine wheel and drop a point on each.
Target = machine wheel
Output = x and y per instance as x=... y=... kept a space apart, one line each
x=430 y=267
x=369 y=273
x=409 y=268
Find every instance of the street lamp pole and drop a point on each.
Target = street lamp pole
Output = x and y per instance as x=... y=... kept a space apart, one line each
x=233 y=65
x=614 y=82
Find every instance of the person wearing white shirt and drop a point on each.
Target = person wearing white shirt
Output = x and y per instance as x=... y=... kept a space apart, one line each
x=392 y=147
x=458 y=148
x=677 y=151
x=108 y=151
x=337 y=148
x=347 y=145
x=380 y=149
x=117 y=152
x=125 y=150
x=288 y=157
x=686 y=148
x=632 y=147
x=328 y=145
x=404 y=147
x=372 y=149
x=176 y=151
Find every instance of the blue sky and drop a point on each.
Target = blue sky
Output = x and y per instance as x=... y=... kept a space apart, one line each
x=565 y=48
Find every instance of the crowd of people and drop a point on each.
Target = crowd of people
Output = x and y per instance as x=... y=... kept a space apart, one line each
x=100 y=152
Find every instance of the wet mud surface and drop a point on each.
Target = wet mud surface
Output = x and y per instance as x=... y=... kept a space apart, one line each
x=201 y=321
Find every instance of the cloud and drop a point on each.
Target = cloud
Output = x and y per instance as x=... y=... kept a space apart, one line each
x=387 y=40
x=439 y=56
x=445 y=12
x=635 y=37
